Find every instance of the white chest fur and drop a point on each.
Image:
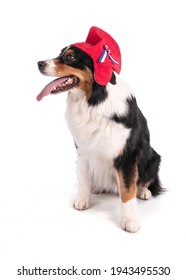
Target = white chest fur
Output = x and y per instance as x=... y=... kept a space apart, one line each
x=92 y=128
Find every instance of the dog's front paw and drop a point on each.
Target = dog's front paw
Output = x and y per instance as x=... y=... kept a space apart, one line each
x=144 y=193
x=82 y=203
x=129 y=216
x=130 y=224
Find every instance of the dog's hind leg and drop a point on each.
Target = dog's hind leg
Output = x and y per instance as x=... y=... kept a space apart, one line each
x=148 y=182
x=143 y=192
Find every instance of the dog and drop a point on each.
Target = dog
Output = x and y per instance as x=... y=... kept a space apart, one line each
x=110 y=133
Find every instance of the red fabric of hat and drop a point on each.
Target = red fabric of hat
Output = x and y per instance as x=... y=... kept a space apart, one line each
x=105 y=53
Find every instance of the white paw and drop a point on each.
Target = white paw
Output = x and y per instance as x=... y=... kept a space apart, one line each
x=82 y=203
x=144 y=193
x=130 y=224
x=129 y=216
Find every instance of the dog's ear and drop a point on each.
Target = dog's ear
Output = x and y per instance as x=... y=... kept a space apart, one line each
x=113 y=79
x=99 y=94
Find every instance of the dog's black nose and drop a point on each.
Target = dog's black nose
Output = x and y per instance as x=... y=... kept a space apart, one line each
x=41 y=64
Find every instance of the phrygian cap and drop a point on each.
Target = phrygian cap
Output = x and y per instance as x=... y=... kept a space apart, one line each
x=105 y=53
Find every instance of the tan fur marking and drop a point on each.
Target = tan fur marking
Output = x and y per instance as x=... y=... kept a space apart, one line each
x=121 y=151
x=85 y=76
x=130 y=192
x=69 y=52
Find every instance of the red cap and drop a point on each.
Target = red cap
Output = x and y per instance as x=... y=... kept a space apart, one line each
x=105 y=53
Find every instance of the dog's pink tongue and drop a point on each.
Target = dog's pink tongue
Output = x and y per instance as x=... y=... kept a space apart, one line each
x=50 y=87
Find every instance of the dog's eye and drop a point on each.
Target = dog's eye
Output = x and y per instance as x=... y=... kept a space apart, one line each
x=70 y=57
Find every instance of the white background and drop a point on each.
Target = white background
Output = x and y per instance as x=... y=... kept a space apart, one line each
x=38 y=225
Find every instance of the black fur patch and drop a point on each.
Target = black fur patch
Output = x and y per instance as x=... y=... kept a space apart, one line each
x=126 y=164
x=99 y=94
x=81 y=61
x=113 y=79
x=138 y=149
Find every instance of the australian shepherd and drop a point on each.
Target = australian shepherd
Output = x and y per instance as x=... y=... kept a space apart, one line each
x=110 y=133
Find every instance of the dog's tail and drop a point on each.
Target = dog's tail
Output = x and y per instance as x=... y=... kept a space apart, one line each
x=155 y=187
